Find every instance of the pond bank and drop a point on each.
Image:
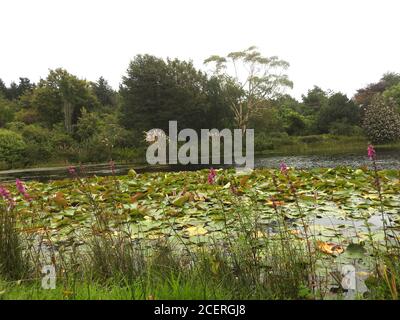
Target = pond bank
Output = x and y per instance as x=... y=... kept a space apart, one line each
x=388 y=159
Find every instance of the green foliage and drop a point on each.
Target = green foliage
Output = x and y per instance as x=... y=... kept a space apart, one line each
x=391 y=79
x=99 y=135
x=382 y=121
x=48 y=104
x=365 y=96
x=342 y=128
x=311 y=139
x=338 y=108
x=15 y=91
x=15 y=126
x=261 y=78
x=392 y=95
x=315 y=99
x=155 y=92
x=27 y=116
x=106 y=96
x=272 y=141
x=262 y=142
x=3 y=89
x=13 y=262
x=217 y=112
x=12 y=147
x=39 y=146
x=64 y=118
x=266 y=121
x=294 y=123
x=7 y=111
x=88 y=125
x=61 y=97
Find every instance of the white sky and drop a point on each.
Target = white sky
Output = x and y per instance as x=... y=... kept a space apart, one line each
x=337 y=44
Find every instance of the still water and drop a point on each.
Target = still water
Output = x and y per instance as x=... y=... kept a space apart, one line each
x=386 y=160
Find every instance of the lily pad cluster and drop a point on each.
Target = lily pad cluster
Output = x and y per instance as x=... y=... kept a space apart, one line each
x=336 y=206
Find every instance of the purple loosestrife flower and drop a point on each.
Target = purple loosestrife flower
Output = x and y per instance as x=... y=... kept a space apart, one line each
x=20 y=186
x=211 y=176
x=283 y=167
x=22 y=190
x=72 y=170
x=6 y=195
x=371 y=152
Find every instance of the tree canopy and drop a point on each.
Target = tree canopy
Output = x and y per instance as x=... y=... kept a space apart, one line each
x=252 y=78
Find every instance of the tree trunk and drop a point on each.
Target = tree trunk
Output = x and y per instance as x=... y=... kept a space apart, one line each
x=68 y=116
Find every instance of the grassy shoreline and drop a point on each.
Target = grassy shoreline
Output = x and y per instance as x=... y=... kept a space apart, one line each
x=290 y=145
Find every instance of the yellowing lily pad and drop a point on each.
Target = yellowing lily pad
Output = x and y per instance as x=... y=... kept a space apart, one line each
x=329 y=247
x=196 y=231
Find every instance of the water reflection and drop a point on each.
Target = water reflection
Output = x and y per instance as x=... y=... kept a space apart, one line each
x=386 y=160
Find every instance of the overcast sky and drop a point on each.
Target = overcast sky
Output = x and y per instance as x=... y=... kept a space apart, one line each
x=337 y=44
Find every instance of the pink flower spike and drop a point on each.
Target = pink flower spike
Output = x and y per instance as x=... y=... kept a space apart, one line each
x=371 y=152
x=22 y=190
x=72 y=170
x=6 y=195
x=20 y=186
x=211 y=176
x=283 y=167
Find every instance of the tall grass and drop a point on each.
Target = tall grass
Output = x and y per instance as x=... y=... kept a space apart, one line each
x=13 y=262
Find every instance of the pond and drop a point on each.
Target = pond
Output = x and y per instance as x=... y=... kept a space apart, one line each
x=389 y=159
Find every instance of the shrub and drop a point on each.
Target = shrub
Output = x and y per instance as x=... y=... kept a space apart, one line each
x=27 y=116
x=7 y=112
x=338 y=109
x=15 y=126
x=295 y=123
x=38 y=142
x=266 y=121
x=311 y=139
x=12 y=147
x=340 y=128
x=261 y=143
x=382 y=121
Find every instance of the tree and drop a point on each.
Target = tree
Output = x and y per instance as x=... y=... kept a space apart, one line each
x=294 y=123
x=382 y=121
x=218 y=114
x=155 y=91
x=47 y=104
x=267 y=121
x=104 y=93
x=315 y=100
x=391 y=79
x=7 y=111
x=141 y=92
x=3 y=89
x=61 y=97
x=15 y=91
x=393 y=94
x=338 y=108
x=255 y=79
x=100 y=134
x=12 y=147
x=365 y=96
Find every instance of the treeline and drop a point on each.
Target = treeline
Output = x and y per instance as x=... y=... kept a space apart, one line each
x=66 y=118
